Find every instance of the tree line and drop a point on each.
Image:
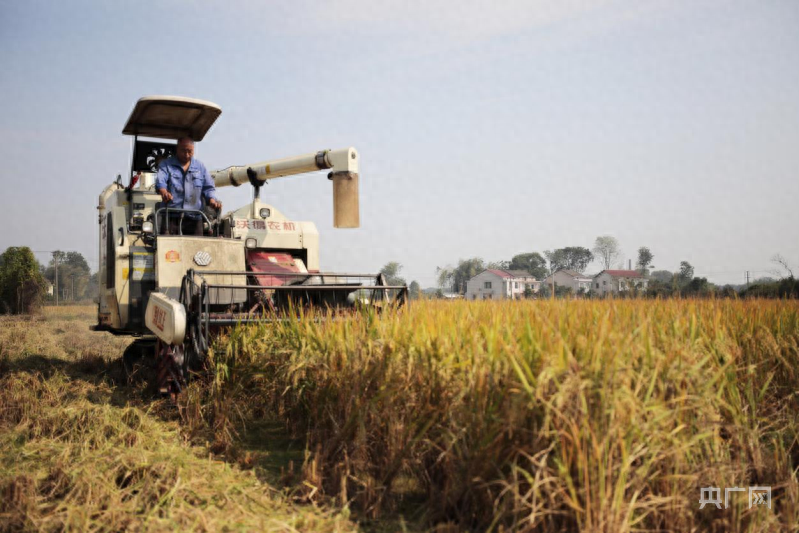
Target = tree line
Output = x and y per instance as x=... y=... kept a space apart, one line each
x=21 y=281
x=75 y=279
x=24 y=281
x=607 y=253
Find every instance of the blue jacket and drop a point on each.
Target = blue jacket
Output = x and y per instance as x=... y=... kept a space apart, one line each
x=187 y=189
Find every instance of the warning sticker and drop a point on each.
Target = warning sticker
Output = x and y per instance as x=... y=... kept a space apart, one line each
x=143 y=267
x=172 y=256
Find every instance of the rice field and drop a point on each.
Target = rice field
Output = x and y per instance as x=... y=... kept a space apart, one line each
x=452 y=416
x=536 y=416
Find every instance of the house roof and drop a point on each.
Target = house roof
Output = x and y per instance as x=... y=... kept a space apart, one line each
x=573 y=273
x=622 y=273
x=508 y=274
x=519 y=273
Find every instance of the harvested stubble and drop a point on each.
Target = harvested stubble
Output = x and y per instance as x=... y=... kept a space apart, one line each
x=72 y=460
x=576 y=415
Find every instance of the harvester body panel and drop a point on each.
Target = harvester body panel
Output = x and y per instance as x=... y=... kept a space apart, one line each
x=178 y=254
x=126 y=266
x=274 y=232
x=166 y=318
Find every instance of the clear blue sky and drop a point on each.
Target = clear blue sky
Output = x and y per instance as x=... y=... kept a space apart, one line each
x=485 y=129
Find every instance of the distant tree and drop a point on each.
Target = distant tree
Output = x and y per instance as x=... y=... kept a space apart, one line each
x=782 y=263
x=727 y=291
x=763 y=280
x=414 y=290
x=574 y=258
x=607 y=251
x=545 y=291
x=21 y=282
x=500 y=265
x=553 y=260
x=663 y=276
x=466 y=270
x=645 y=258
x=529 y=292
x=562 y=291
x=788 y=288
x=76 y=260
x=456 y=277
x=686 y=273
x=659 y=288
x=93 y=287
x=391 y=271
x=784 y=288
x=73 y=274
x=444 y=276
x=698 y=287
x=531 y=262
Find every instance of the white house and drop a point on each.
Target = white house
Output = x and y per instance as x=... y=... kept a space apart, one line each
x=496 y=284
x=579 y=283
x=616 y=281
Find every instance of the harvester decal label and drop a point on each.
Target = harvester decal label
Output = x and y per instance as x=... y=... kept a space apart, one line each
x=159 y=316
x=287 y=226
x=172 y=256
x=261 y=224
x=250 y=224
x=142 y=267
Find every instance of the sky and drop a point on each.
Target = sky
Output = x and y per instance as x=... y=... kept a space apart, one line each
x=485 y=129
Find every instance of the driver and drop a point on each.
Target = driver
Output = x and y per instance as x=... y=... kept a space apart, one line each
x=183 y=181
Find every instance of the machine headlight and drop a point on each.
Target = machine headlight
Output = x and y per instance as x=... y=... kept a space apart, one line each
x=147 y=227
x=265 y=212
x=250 y=243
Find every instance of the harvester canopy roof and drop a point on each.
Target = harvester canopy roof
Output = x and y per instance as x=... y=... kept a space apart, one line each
x=172 y=117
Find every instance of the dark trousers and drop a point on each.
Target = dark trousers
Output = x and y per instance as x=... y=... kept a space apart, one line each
x=188 y=226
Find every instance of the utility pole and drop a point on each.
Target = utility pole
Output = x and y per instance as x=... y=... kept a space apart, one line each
x=73 y=287
x=747 y=278
x=55 y=262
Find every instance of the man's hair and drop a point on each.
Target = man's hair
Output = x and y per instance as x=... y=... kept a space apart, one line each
x=186 y=139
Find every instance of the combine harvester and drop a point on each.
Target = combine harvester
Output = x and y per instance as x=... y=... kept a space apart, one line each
x=174 y=292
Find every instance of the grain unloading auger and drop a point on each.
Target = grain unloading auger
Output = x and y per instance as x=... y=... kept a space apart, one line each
x=175 y=291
